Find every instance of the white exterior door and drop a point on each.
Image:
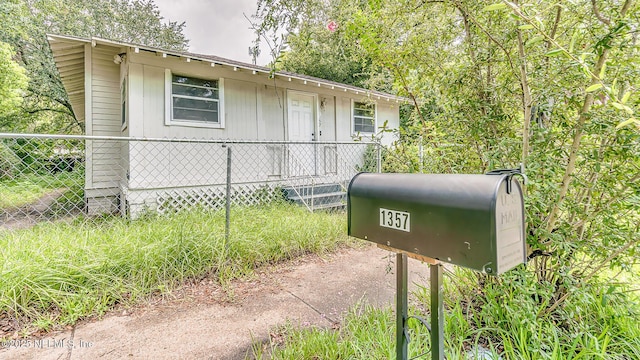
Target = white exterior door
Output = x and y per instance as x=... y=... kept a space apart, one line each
x=301 y=127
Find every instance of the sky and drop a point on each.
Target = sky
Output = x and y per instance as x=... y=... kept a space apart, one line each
x=215 y=27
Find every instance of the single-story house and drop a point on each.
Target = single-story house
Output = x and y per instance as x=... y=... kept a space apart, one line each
x=135 y=91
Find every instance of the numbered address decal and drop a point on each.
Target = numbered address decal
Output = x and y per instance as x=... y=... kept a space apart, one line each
x=393 y=219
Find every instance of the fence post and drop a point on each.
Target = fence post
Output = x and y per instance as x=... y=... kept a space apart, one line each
x=437 y=312
x=228 y=200
x=402 y=342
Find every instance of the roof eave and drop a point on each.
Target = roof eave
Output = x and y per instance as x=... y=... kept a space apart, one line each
x=236 y=65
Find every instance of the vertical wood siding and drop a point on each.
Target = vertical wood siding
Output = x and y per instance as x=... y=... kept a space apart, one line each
x=343 y=113
x=273 y=108
x=106 y=169
x=328 y=119
x=240 y=108
x=255 y=108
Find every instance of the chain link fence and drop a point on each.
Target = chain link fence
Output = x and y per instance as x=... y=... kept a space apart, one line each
x=46 y=178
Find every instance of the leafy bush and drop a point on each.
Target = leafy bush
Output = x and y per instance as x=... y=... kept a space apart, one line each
x=9 y=162
x=370 y=162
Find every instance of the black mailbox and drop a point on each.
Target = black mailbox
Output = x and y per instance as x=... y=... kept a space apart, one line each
x=475 y=221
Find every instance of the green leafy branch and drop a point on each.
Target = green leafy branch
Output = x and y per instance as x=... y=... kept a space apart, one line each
x=597 y=82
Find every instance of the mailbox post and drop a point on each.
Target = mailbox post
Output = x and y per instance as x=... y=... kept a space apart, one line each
x=474 y=221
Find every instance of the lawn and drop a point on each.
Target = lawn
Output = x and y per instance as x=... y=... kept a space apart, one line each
x=58 y=273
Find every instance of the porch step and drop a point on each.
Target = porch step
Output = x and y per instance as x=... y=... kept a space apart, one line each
x=303 y=190
x=318 y=197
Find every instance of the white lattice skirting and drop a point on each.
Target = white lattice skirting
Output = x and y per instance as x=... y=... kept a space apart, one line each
x=168 y=201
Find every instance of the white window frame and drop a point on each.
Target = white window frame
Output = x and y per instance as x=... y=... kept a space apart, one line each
x=124 y=104
x=353 y=117
x=168 y=113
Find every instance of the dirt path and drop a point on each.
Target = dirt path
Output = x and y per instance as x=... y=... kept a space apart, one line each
x=28 y=215
x=202 y=323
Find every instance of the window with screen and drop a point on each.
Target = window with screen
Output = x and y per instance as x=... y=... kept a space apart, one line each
x=364 y=117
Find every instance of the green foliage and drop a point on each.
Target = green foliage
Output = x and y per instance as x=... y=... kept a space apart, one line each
x=366 y=333
x=25 y=25
x=9 y=163
x=59 y=273
x=310 y=48
x=19 y=191
x=553 y=87
x=315 y=51
x=491 y=96
x=370 y=162
x=13 y=81
x=599 y=322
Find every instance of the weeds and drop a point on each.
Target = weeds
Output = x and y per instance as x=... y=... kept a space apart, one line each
x=497 y=321
x=59 y=273
x=367 y=333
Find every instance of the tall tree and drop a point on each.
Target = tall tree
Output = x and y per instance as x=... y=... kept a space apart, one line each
x=13 y=81
x=315 y=42
x=538 y=83
x=551 y=85
x=46 y=105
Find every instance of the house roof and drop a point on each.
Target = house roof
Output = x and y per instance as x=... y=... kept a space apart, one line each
x=69 y=51
x=68 y=54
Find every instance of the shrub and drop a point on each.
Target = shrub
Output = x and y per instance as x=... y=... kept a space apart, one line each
x=8 y=162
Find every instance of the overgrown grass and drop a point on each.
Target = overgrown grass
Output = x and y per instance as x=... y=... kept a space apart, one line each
x=366 y=333
x=59 y=273
x=598 y=320
x=503 y=319
x=30 y=187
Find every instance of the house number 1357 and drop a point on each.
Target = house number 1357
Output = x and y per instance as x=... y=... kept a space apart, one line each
x=393 y=219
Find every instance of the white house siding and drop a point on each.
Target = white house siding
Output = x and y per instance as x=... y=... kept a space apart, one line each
x=385 y=111
x=388 y=112
x=104 y=160
x=155 y=164
x=272 y=109
x=265 y=117
x=124 y=145
x=328 y=119
x=344 y=132
x=177 y=165
x=240 y=110
x=168 y=165
x=254 y=108
x=271 y=117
